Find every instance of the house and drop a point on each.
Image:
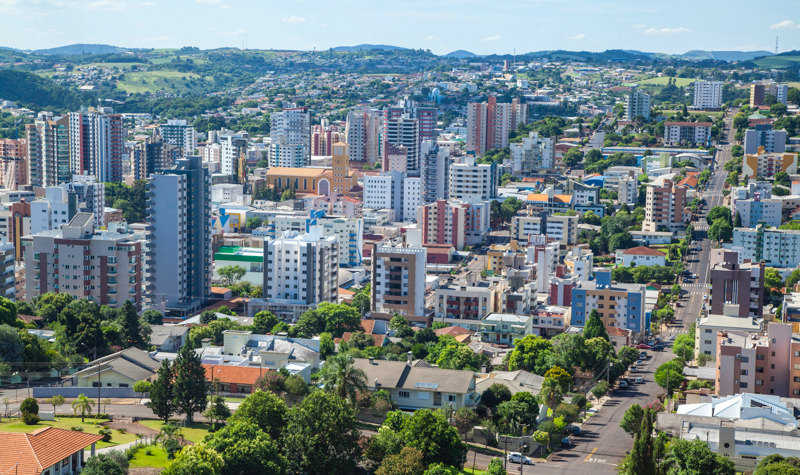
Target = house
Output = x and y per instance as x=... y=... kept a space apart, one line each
x=415 y=387
x=505 y=328
x=168 y=338
x=515 y=381
x=45 y=451
x=640 y=256
x=117 y=370
x=460 y=334
x=620 y=337
x=234 y=379
x=271 y=351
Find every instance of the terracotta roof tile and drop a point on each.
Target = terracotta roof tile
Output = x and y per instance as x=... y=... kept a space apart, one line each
x=234 y=374
x=643 y=251
x=32 y=453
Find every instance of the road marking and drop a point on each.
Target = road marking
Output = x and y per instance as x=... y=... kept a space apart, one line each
x=590 y=454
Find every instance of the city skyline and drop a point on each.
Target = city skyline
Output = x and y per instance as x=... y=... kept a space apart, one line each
x=521 y=26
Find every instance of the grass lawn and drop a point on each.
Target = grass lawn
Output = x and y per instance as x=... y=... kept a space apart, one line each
x=777 y=61
x=194 y=433
x=156 y=459
x=90 y=426
x=124 y=66
x=152 y=81
x=662 y=81
x=713 y=114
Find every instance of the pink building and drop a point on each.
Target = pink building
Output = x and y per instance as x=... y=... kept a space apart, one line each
x=457 y=224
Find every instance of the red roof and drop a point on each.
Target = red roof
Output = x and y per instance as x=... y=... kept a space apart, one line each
x=39 y=450
x=688 y=124
x=453 y=331
x=643 y=251
x=617 y=331
x=689 y=181
x=378 y=340
x=234 y=374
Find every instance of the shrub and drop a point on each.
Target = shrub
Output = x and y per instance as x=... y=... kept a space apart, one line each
x=106 y=433
x=29 y=406
x=30 y=419
x=122 y=430
x=77 y=428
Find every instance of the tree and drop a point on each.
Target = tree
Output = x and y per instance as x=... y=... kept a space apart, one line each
x=594 y=326
x=622 y=240
x=465 y=419
x=777 y=464
x=142 y=387
x=153 y=317
x=55 y=401
x=640 y=460
x=83 y=406
x=683 y=347
x=339 y=376
x=246 y=449
x=720 y=231
x=131 y=330
x=793 y=278
x=162 y=398
x=11 y=347
x=431 y=433
x=530 y=354
x=573 y=157
x=339 y=318
x=496 y=467
x=684 y=456
x=295 y=385
x=8 y=312
x=231 y=274
x=495 y=394
x=407 y=462
x=670 y=375
x=772 y=278
x=719 y=212
x=264 y=322
x=196 y=459
x=600 y=389
x=519 y=413
x=360 y=340
x=264 y=409
x=327 y=346
x=189 y=385
x=218 y=411
x=106 y=464
x=632 y=419
x=321 y=435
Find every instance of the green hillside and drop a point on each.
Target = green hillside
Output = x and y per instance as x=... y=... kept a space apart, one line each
x=37 y=93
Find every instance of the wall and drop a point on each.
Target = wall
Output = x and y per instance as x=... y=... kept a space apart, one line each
x=91 y=393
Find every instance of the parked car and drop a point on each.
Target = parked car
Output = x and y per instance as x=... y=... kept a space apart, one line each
x=639 y=380
x=576 y=430
x=634 y=369
x=643 y=346
x=566 y=442
x=642 y=354
x=623 y=384
x=516 y=457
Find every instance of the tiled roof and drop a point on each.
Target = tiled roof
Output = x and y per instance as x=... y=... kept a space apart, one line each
x=34 y=452
x=543 y=197
x=292 y=172
x=643 y=251
x=234 y=374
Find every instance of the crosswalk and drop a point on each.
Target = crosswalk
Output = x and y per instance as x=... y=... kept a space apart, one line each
x=696 y=288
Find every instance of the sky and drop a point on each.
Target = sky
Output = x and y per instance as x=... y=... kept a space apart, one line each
x=480 y=26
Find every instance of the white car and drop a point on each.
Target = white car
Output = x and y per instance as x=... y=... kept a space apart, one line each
x=516 y=457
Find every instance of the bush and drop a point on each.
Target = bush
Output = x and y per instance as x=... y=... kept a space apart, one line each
x=106 y=433
x=296 y=385
x=122 y=430
x=29 y=406
x=30 y=419
x=77 y=428
x=600 y=389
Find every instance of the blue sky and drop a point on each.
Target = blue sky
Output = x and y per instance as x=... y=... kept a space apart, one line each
x=480 y=26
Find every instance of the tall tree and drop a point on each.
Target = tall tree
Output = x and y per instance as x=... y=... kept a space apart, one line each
x=684 y=456
x=264 y=409
x=231 y=274
x=246 y=449
x=342 y=378
x=161 y=395
x=83 y=406
x=641 y=456
x=131 y=329
x=632 y=419
x=594 y=326
x=189 y=386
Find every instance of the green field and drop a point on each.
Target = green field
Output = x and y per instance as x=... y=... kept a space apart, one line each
x=195 y=433
x=156 y=459
x=662 y=81
x=714 y=114
x=152 y=81
x=777 y=61
x=90 y=426
x=121 y=66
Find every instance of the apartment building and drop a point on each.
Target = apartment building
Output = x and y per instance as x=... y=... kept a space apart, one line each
x=549 y=201
x=348 y=232
x=179 y=133
x=707 y=326
x=153 y=155
x=97 y=144
x=55 y=210
x=637 y=104
x=761 y=363
x=13 y=163
x=760 y=90
x=8 y=273
x=434 y=171
x=290 y=137
x=561 y=228
x=640 y=256
x=471 y=181
x=394 y=191
x=766 y=165
x=776 y=247
x=179 y=222
x=465 y=304
x=763 y=135
x=580 y=262
x=102 y=266
x=398 y=281
x=755 y=210
x=737 y=285
x=707 y=94
x=489 y=123
x=687 y=133
x=363 y=135
x=532 y=155
x=619 y=305
x=424 y=112
x=456 y=223
x=403 y=131
x=664 y=207
x=48 y=149
x=301 y=270
x=232 y=146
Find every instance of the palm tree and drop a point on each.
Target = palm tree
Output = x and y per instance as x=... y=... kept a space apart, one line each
x=551 y=392
x=82 y=405
x=340 y=377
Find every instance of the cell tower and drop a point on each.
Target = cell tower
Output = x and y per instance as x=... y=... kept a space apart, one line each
x=776 y=45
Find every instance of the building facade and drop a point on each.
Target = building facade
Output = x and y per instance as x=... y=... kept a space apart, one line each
x=97 y=144
x=763 y=135
x=688 y=133
x=708 y=94
x=471 y=181
x=398 y=281
x=637 y=104
x=664 y=207
x=290 y=135
x=737 y=288
x=619 y=305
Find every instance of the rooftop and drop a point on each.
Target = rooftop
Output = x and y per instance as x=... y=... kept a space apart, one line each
x=39 y=450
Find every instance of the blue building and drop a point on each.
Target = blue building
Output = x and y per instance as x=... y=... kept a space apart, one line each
x=619 y=305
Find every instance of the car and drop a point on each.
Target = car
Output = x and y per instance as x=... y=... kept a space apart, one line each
x=639 y=362
x=643 y=346
x=638 y=380
x=576 y=430
x=642 y=354
x=566 y=442
x=694 y=276
x=634 y=369
x=623 y=384
x=516 y=457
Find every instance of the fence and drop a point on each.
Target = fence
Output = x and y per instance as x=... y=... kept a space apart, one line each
x=73 y=392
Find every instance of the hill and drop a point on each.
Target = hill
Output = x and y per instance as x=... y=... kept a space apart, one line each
x=608 y=55
x=783 y=60
x=724 y=55
x=367 y=47
x=37 y=93
x=461 y=54
x=80 y=49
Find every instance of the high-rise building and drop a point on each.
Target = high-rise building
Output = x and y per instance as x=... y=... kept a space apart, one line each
x=153 y=155
x=180 y=134
x=398 y=281
x=425 y=114
x=179 y=222
x=760 y=90
x=102 y=266
x=290 y=134
x=404 y=131
x=470 y=181
x=532 y=155
x=323 y=137
x=55 y=210
x=737 y=285
x=434 y=171
x=775 y=247
x=457 y=224
x=231 y=149
x=13 y=163
x=626 y=310
x=97 y=144
x=90 y=196
x=637 y=105
x=489 y=123
x=363 y=135
x=763 y=135
x=691 y=133
x=48 y=150
x=349 y=232
x=664 y=207
x=395 y=191
x=708 y=94
x=301 y=270
x=340 y=168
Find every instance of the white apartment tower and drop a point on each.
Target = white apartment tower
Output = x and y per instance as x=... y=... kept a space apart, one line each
x=231 y=148
x=48 y=150
x=707 y=94
x=470 y=181
x=181 y=134
x=395 y=191
x=637 y=104
x=363 y=133
x=290 y=134
x=434 y=171
x=404 y=131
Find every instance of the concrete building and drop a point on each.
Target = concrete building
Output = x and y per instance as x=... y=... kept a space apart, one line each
x=435 y=171
x=394 y=191
x=153 y=155
x=46 y=451
x=489 y=123
x=290 y=135
x=705 y=341
x=48 y=150
x=54 y=211
x=580 y=262
x=737 y=288
x=403 y=131
x=455 y=223
x=757 y=210
x=561 y=228
x=758 y=363
x=301 y=270
x=90 y=196
x=464 y=305
x=549 y=201
x=13 y=163
x=640 y=256
x=760 y=90
x=707 y=94
x=532 y=155
x=349 y=232
x=179 y=223
x=505 y=328
x=398 y=281
x=340 y=169
x=251 y=259
x=664 y=207
x=179 y=133
x=8 y=274
x=766 y=165
x=470 y=181
x=776 y=247
x=363 y=135
x=619 y=305
x=637 y=104
x=232 y=147
x=97 y=144
x=687 y=133
x=763 y=135
x=102 y=266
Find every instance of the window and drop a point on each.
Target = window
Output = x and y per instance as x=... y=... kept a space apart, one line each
x=742 y=385
x=451 y=398
x=745 y=359
x=403 y=394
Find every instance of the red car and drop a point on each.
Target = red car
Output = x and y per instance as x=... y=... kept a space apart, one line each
x=643 y=346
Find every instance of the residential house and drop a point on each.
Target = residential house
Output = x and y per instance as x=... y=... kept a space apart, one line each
x=45 y=451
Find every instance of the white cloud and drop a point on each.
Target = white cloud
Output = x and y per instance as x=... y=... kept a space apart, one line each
x=225 y=7
x=293 y=19
x=492 y=38
x=782 y=24
x=209 y=2
x=667 y=31
x=579 y=36
x=148 y=4
x=105 y=5
x=430 y=38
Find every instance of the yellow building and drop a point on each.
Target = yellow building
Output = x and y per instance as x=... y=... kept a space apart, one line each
x=342 y=182
x=495 y=254
x=308 y=180
x=766 y=165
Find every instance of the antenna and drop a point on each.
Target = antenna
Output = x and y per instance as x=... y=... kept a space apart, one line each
x=776 y=44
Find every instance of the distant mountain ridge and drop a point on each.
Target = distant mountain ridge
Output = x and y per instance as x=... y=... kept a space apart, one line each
x=368 y=47
x=460 y=54
x=725 y=55
x=80 y=49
